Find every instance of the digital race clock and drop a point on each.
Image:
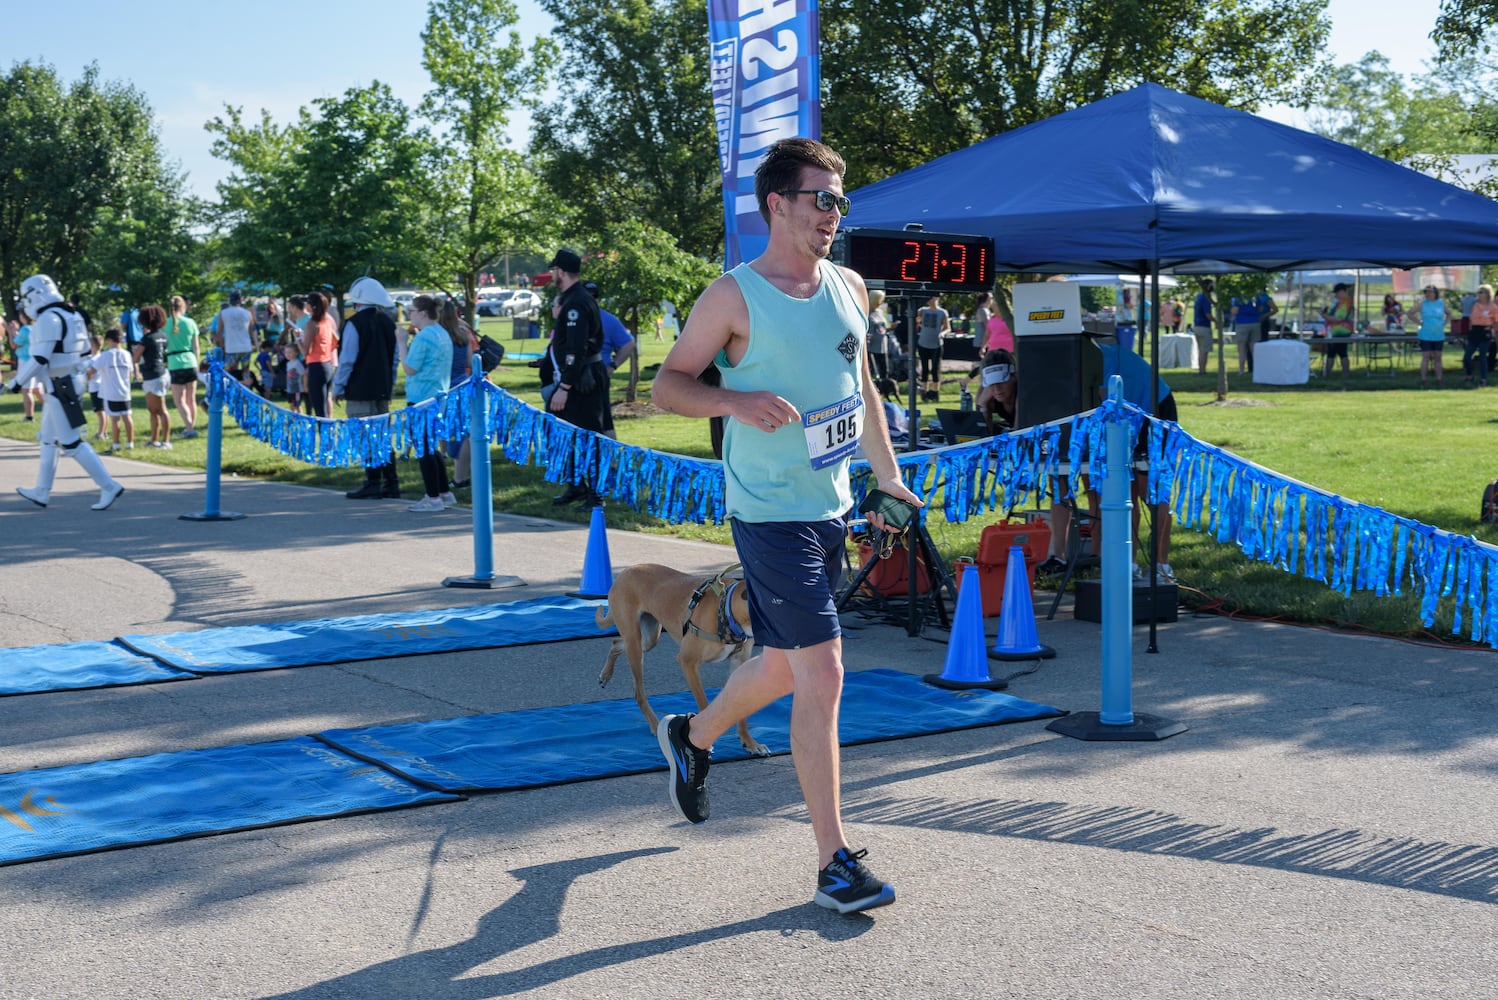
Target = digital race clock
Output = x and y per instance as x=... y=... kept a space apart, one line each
x=915 y=260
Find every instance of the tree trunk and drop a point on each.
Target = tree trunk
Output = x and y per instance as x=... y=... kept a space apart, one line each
x=631 y=393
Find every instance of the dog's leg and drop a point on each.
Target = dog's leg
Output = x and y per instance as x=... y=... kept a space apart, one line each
x=607 y=673
x=649 y=634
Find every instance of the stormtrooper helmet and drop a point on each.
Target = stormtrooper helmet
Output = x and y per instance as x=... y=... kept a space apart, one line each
x=369 y=292
x=38 y=291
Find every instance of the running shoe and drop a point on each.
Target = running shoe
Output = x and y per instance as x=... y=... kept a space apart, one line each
x=688 y=766
x=1164 y=572
x=448 y=500
x=427 y=505
x=847 y=886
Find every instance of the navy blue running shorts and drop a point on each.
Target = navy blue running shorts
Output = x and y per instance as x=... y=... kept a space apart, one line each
x=791 y=569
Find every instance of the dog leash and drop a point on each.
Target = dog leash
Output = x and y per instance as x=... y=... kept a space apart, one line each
x=729 y=632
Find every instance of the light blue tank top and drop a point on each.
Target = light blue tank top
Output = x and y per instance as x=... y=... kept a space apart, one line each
x=809 y=351
x=1432 y=319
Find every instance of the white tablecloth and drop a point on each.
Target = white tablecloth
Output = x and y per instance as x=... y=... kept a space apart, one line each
x=1282 y=362
x=1177 y=350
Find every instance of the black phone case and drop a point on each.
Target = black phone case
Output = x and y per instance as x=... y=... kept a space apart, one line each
x=896 y=513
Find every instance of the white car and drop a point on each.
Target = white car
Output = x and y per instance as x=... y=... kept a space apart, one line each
x=521 y=303
x=493 y=303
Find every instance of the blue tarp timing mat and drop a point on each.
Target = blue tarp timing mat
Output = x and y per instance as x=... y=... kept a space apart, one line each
x=547 y=746
x=81 y=808
x=73 y=666
x=59 y=811
x=372 y=637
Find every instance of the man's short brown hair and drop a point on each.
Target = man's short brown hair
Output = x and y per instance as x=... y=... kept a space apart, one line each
x=780 y=170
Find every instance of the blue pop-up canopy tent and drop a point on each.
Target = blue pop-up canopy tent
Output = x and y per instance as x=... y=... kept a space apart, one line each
x=1155 y=180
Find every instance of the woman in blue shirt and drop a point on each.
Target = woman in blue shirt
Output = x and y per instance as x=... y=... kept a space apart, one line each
x=428 y=367
x=1434 y=315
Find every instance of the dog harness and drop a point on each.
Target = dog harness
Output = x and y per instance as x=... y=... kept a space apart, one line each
x=729 y=633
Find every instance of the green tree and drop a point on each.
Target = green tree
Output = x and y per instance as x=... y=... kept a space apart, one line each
x=143 y=250
x=71 y=159
x=331 y=198
x=642 y=267
x=1463 y=38
x=1368 y=105
x=906 y=81
x=487 y=202
x=632 y=135
x=1464 y=25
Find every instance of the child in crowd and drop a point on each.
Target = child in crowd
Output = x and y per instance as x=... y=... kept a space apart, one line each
x=295 y=370
x=265 y=361
x=96 y=346
x=114 y=369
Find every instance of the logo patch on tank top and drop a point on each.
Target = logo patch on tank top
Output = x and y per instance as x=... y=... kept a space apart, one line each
x=849 y=347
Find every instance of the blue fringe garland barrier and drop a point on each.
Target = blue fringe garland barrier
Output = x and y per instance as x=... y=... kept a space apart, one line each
x=1273 y=519
x=1307 y=531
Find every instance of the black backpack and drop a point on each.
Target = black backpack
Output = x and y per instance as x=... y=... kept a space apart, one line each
x=1489 y=514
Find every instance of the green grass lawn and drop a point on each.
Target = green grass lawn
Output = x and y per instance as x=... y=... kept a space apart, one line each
x=1378 y=439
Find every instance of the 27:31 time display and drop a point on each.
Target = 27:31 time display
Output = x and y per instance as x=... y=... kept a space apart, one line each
x=934 y=261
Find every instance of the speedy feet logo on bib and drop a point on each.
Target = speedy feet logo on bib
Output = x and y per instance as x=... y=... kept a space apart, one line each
x=832 y=431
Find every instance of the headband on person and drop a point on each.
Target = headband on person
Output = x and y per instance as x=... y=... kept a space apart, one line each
x=997 y=374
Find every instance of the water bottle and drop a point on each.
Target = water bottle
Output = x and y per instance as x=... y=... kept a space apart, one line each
x=966 y=400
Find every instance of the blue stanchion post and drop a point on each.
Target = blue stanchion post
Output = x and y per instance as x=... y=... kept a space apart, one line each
x=1117 y=721
x=211 y=510
x=480 y=479
x=1118 y=561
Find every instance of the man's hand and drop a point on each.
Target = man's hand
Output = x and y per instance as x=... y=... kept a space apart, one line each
x=764 y=410
x=897 y=489
x=558 y=401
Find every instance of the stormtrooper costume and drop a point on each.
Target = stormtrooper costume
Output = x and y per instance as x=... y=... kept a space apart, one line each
x=59 y=344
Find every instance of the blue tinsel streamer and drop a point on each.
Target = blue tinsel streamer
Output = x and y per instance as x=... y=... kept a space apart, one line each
x=1272 y=519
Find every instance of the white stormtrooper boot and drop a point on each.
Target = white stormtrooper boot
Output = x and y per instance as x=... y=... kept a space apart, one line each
x=109 y=490
x=45 y=473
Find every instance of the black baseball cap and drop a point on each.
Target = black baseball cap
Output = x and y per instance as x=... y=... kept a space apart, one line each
x=567 y=261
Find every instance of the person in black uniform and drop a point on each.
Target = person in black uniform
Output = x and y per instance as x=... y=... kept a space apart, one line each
x=582 y=394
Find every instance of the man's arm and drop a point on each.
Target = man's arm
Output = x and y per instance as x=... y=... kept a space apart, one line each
x=348 y=350
x=623 y=353
x=874 y=441
x=715 y=319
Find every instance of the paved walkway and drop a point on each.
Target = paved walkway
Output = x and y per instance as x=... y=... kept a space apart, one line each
x=1327 y=828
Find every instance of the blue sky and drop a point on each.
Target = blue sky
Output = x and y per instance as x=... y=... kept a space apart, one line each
x=192 y=58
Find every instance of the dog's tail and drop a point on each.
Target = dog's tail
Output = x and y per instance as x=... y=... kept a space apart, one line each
x=603 y=616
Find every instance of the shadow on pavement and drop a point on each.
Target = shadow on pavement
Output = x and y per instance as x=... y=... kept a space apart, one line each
x=532 y=914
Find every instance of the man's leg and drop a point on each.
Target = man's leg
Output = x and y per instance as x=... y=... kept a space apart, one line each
x=815 y=674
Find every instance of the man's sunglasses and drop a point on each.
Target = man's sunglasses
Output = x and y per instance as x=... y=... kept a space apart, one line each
x=826 y=200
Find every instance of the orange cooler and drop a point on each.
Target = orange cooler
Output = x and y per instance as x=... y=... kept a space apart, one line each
x=993 y=558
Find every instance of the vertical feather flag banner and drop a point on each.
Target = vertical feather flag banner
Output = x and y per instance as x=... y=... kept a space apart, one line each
x=767 y=85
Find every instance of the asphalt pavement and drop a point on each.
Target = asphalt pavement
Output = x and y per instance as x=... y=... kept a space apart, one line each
x=1327 y=827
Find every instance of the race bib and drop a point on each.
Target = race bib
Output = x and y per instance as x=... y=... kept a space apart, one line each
x=832 y=432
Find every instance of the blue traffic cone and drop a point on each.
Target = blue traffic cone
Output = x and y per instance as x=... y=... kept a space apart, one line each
x=1017 y=637
x=967 y=664
x=598 y=574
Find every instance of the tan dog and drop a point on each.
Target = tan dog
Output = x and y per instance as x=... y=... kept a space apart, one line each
x=648 y=599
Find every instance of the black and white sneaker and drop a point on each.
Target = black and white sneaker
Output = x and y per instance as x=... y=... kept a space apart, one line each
x=688 y=766
x=846 y=886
